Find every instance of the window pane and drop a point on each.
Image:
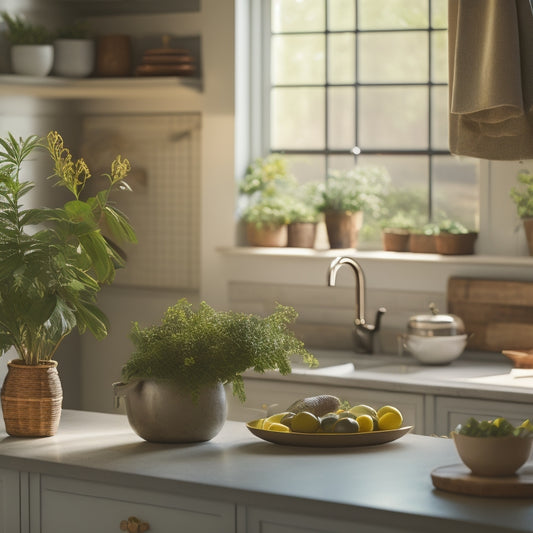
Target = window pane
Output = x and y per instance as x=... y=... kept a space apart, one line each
x=439 y=13
x=308 y=167
x=341 y=58
x=393 y=118
x=388 y=57
x=341 y=162
x=341 y=118
x=298 y=59
x=439 y=59
x=439 y=118
x=393 y=14
x=297 y=118
x=456 y=190
x=341 y=15
x=295 y=15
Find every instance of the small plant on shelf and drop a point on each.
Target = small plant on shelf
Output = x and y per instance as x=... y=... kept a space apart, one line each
x=19 y=31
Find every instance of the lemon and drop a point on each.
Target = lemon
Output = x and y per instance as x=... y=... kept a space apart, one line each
x=346 y=425
x=276 y=417
x=363 y=409
x=328 y=421
x=276 y=426
x=390 y=420
x=258 y=423
x=305 y=422
x=366 y=423
x=388 y=409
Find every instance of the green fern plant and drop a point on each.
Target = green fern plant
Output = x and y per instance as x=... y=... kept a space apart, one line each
x=205 y=347
x=523 y=196
x=20 y=31
x=53 y=261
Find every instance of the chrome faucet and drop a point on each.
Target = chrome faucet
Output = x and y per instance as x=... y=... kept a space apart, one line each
x=363 y=333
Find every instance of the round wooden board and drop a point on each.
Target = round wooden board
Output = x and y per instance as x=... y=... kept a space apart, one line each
x=458 y=479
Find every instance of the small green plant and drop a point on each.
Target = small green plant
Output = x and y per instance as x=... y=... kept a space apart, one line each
x=205 y=347
x=53 y=261
x=20 y=31
x=267 y=176
x=399 y=221
x=523 y=196
x=359 y=189
x=426 y=229
x=304 y=203
x=268 y=212
x=452 y=226
x=499 y=427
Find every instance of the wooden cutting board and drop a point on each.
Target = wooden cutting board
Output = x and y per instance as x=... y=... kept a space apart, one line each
x=458 y=479
x=497 y=313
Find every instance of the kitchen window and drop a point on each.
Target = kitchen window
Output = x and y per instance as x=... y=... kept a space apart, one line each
x=343 y=76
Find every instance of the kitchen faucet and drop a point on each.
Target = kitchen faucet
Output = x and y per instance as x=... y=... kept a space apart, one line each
x=363 y=333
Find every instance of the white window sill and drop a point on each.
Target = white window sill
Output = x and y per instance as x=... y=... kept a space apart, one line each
x=413 y=271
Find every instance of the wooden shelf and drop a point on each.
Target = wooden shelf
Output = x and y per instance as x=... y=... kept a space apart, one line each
x=189 y=89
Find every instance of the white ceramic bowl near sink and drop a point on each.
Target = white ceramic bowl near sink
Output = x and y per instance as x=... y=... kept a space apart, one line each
x=437 y=350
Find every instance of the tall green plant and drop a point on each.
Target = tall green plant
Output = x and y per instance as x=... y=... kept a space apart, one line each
x=53 y=261
x=523 y=196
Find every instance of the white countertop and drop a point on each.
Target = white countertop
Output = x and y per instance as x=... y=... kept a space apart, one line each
x=384 y=484
x=484 y=376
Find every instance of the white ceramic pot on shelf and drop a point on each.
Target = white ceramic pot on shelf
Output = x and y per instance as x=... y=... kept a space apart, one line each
x=32 y=59
x=74 y=58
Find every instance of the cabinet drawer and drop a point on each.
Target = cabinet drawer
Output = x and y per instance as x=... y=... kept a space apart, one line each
x=453 y=411
x=262 y=392
x=85 y=507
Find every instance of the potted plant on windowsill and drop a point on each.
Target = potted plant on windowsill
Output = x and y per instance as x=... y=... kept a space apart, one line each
x=523 y=198
x=454 y=239
x=346 y=195
x=53 y=262
x=422 y=239
x=266 y=188
x=32 y=52
x=396 y=231
x=173 y=382
x=304 y=215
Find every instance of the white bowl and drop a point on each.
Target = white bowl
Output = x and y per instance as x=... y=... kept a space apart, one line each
x=436 y=350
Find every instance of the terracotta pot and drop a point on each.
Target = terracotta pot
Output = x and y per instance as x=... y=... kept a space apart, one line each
x=528 y=228
x=301 y=234
x=31 y=399
x=455 y=243
x=114 y=56
x=266 y=235
x=422 y=244
x=163 y=412
x=395 y=240
x=343 y=228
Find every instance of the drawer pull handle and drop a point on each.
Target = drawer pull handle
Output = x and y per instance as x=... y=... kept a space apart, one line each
x=134 y=525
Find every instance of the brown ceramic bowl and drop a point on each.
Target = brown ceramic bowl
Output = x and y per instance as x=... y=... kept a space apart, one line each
x=493 y=456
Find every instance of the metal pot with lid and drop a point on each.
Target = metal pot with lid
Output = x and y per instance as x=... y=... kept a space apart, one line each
x=435 y=324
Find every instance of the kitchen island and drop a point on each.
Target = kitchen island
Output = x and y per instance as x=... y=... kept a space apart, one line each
x=96 y=473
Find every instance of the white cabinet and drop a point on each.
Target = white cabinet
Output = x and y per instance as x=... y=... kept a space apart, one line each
x=449 y=412
x=260 y=520
x=85 y=507
x=10 y=495
x=262 y=393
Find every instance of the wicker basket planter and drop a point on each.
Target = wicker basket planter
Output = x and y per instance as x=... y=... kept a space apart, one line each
x=31 y=399
x=455 y=243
